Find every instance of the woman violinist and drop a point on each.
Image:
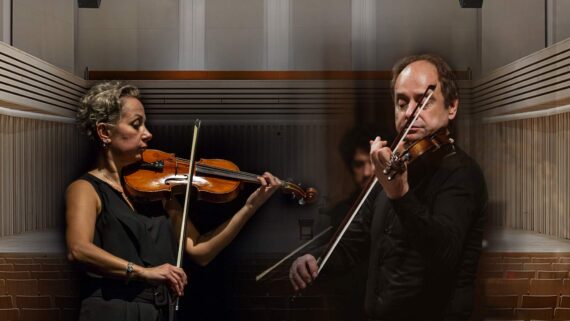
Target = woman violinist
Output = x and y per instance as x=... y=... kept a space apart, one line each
x=128 y=255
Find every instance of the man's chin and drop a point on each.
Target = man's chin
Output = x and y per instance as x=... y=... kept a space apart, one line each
x=413 y=137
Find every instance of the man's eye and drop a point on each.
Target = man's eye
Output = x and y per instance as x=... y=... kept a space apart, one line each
x=402 y=104
x=429 y=103
x=358 y=164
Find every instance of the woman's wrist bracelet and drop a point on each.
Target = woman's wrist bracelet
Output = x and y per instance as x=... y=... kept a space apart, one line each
x=129 y=271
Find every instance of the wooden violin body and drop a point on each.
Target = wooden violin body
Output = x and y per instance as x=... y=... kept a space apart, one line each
x=159 y=175
x=415 y=150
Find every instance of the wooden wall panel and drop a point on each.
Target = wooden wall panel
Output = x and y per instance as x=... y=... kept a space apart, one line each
x=527 y=168
x=38 y=159
x=28 y=83
x=521 y=140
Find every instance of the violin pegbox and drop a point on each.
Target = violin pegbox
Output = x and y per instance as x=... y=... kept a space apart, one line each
x=397 y=164
x=296 y=192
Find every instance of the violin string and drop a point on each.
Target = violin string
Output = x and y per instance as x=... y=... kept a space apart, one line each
x=224 y=170
x=212 y=170
x=238 y=175
x=230 y=172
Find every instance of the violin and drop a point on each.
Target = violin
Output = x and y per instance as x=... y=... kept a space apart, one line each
x=160 y=175
x=414 y=150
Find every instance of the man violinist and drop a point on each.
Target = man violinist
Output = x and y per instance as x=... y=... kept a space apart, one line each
x=422 y=230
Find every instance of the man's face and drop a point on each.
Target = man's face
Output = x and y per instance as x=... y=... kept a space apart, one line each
x=408 y=89
x=361 y=167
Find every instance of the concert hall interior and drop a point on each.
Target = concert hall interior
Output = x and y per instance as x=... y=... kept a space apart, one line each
x=276 y=85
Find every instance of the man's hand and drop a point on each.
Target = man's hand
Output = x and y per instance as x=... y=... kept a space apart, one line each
x=380 y=155
x=303 y=271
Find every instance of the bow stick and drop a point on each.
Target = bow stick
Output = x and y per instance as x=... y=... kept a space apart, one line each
x=182 y=239
x=321 y=261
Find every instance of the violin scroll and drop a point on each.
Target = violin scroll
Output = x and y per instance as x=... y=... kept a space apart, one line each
x=303 y=196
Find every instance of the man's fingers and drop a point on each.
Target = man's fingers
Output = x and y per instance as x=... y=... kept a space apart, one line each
x=304 y=272
x=297 y=279
x=313 y=268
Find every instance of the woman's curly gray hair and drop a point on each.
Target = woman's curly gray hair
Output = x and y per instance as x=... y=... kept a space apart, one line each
x=103 y=104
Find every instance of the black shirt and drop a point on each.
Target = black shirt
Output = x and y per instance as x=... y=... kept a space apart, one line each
x=144 y=237
x=423 y=248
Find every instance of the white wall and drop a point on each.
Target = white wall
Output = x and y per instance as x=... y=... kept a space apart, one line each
x=511 y=29
x=561 y=20
x=128 y=35
x=2 y=20
x=437 y=26
x=234 y=36
x=320 y=34
x=45 y=29
x=321 y=31
x=5 y=21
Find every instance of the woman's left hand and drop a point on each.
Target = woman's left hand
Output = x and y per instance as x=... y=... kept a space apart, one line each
x=269 y=184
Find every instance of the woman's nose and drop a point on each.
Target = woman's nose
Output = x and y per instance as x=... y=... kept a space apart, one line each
x=147 y=135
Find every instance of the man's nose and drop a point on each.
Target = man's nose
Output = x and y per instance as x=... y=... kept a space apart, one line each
x=411 y=106
x=368 y=171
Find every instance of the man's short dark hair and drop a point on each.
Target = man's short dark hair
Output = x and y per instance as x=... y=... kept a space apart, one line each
x=356 y=138
x=446 y=76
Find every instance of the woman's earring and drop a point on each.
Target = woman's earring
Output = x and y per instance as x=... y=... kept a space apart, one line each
x=105 y=143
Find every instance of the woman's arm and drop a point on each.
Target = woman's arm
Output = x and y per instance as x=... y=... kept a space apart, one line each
x=203 y=248
x=82 y=208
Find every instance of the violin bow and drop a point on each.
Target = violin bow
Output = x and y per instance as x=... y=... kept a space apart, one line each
x=182 y=239
x=322 y=260
x=408 y=125
x=274 y=266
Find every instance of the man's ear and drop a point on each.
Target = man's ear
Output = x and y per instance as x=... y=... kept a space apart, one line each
x=453 y=109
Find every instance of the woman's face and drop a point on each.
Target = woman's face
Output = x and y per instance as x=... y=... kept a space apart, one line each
x=129 y=136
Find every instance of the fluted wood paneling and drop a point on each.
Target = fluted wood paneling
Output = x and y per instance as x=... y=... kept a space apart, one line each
x=28 y=83
x=521 y=139
x=41 y=150
x=536 y=82
x=37 y=160
x=527 y=167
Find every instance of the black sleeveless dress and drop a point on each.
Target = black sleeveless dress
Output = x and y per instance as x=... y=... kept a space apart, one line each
x=143 y=237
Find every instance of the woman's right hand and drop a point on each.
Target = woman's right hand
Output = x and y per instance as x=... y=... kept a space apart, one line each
x=173 y=276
